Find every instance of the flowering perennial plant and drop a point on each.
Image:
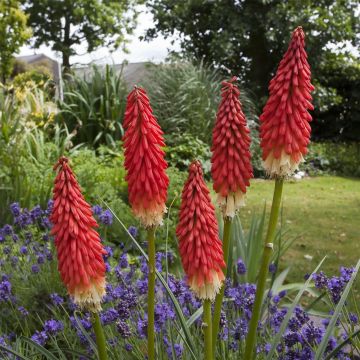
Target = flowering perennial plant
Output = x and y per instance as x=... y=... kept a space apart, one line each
x=199 y=245
x=144 y=160
x=285 y=129
x=231 y=167
x=79 y=249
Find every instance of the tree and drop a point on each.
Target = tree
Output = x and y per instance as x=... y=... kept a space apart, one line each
x=64 y=24
x=248 y=37
x=13 y=34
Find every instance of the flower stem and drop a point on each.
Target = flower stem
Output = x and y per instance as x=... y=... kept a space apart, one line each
x=151 y=294
x=220 y=296
x=100 y=337
x=207 y=330
x=264 y=269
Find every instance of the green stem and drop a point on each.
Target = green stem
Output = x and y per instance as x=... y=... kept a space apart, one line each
x=261 y=283
x=220 y=296
x=100 y=337
x=207 y=330
x=151 y=294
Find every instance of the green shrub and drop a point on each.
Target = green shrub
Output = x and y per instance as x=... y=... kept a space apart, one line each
x=333 y=158
x=182 y=149
x=94 y=106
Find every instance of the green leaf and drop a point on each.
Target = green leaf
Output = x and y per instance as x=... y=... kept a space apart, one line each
x=4 y=348
x=40 y=349
x=322 y=347
x=340 y=346
x=285 y=322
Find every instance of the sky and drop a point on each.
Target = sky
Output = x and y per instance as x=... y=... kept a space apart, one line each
x=155 y=50
x=139 y=51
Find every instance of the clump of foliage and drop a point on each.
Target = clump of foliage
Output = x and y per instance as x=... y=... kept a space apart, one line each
x=94 y=106
x=14 y=32
x=333 y=158
x=185 y=98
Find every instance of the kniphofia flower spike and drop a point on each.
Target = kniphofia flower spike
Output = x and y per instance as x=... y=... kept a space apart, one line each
x=200 y=248
x=285 y=129
x=79 y=250
x=144 y=160
x=231 y=160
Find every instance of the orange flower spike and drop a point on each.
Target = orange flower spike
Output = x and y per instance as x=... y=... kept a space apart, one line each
x=79 y=250
x=200 y=248
x=231 y=167
x=285 y=129
x=144 y=160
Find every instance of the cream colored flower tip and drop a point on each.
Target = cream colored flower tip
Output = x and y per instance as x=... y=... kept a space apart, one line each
x=281 y=167
x=91 y=298
x=152 y=216
x=230 y=204
x=207 y=291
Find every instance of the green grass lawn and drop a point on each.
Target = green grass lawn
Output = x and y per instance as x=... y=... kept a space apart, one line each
x=323 y=212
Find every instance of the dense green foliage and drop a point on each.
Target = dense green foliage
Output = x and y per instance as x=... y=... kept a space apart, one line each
x=185 y=98
x=248 y=38
x=94 y=106
x=65 y=24
x=13 y=34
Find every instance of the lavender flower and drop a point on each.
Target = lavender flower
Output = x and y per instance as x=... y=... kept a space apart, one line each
x=35 y=269
x=40 y=337
x=106 y=217
x=97 y=210
x=53 y=326
x=241 y=267
x=56 y=299
x=15 y=209
x=133 y=231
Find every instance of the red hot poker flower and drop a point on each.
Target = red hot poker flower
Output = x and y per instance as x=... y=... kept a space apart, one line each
x=79 y=250
x=200 y=248
x=285 y=129
x=144 y=160
x=231 y=160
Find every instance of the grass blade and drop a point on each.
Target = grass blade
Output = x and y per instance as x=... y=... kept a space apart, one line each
x=340 y=346
x=285 y=322
x=322 y=347
x=40 y=349
x=4 y=348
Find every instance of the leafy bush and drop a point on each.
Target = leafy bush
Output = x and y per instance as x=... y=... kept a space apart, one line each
x=94 y=106
x=182 y=149
x=333 y=158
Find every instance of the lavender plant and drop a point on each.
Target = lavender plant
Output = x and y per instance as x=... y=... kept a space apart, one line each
x=37 y=316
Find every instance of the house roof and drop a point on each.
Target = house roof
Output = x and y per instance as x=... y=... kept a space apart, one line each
x=37 y=58
x=132 y=72
x=34 y=58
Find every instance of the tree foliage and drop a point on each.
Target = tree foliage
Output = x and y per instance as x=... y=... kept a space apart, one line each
x=13 y=34
x=63 y=24
x=248 y=37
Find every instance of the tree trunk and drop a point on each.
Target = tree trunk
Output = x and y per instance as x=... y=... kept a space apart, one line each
x=257 y=50
x=66 y=48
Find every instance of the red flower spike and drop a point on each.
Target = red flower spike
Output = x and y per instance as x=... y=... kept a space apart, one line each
x=285 y=129
x=200 y=248
x=79 y=250
x=144 y=160
x=231 y=160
